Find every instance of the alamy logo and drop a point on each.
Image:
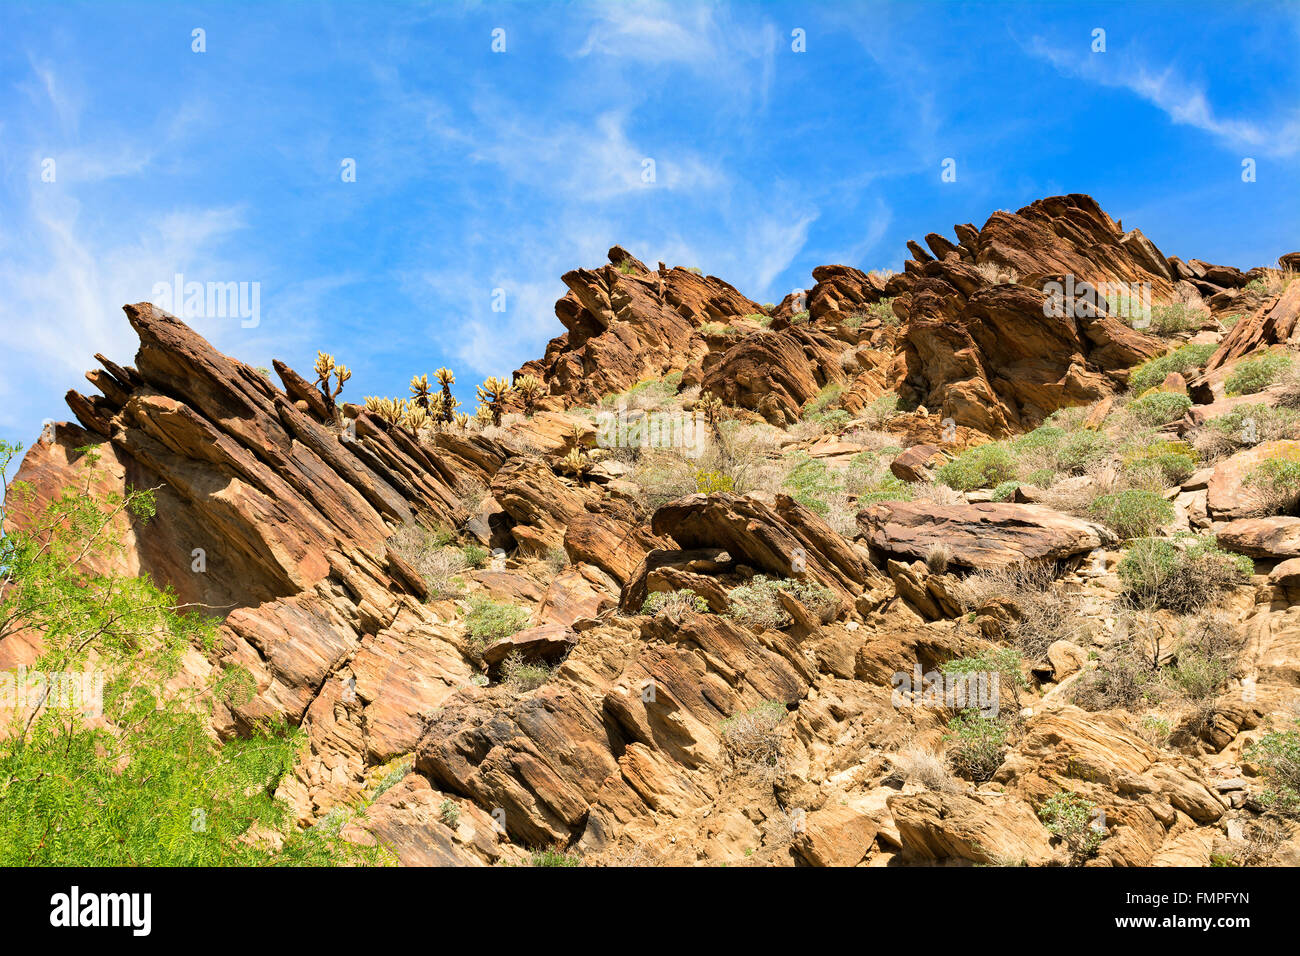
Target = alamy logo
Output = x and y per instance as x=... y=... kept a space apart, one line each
x=1086 y=300
x=74 y=909
x=82 y=692
x=955 y=691
x=619 y=429
x=210 y=300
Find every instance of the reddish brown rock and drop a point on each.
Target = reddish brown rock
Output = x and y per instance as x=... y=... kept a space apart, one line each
x=986 y=535
x=917 y=463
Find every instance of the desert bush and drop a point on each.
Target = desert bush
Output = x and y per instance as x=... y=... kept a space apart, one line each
x=449 y=813
x=1125 y=677
x=1255 y=375
x=880 y=410
x=707 y=482
x=935 y=493
x=937 y=558
x=887 y=488
x=977 y=744
x=824 y=399
x=1175 y=461
x=489 y=621
x=1277 y=479
x=997 y=274
x=924 y=767
x=1006 y=662
x=757 y=606
x=662 y=476
x=811 y=483
x=753 y=739
x=1245 y=425
x=519 y=676
x=983 y=466
x=1155 y=730
x=1175 y=317
x=1068 y=816
x=1158 y=573
x=674 y=602
x=1278 y=756
x=1042 y=614
x=1132 y=513
x=1160 y=408
x=430 y=555
x=1183 y=360
x=1006 y=491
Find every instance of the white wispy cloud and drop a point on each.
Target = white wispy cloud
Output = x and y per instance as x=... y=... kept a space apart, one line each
x=1184 y=101
x=593 y=162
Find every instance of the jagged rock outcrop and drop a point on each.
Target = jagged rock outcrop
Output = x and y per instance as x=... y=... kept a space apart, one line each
x=774 y=735
x=626 y=324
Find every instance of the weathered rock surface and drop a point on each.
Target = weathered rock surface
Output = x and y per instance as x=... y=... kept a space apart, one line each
x=986 y=535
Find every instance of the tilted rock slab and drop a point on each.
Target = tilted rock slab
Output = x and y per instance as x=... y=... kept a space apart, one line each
x=985 y=535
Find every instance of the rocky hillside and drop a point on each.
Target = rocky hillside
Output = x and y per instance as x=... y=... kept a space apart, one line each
x=972 y=563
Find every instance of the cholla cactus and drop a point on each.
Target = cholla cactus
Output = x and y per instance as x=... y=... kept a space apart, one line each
x=575 y=462
x=530 y=389
x=389 y=409
x=462 y=421
x=493 y=394
x=446 y=378
x=483 y=415
x=325 y=366
x=711 y=406
x=420 y=391
x=416 y=417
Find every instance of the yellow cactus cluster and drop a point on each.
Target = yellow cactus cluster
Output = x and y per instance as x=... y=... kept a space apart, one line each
x=530 y=389
x=492 y=395
x=327 y=368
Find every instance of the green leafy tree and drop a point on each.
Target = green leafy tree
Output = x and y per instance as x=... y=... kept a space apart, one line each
x=126 y=775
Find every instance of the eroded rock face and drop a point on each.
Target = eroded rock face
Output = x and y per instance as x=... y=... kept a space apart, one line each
x=986 y=535
x=786 y=541
x=626 y=323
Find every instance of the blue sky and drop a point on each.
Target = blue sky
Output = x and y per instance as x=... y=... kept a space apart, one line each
x=478 y=170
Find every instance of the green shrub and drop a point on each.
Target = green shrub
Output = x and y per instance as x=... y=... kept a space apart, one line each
x=888 y=488
x=1175 y=461
x=707 y=482
x=1006 y=662
x=1257 y=374
x=1156 y=573
x=1006 y=491
x=1133 y=514
x=1175 y=317
x=1187 y=358
x=674 y=601
x=1160 y=408
x=1069 y=816
x=978 y=744
x=984 y=466
x=1081 y=449
x=474 y=554
x=757 y=606
x=1278 y=755
x=812 y=484
x=490 y=621
x=449 y=813
x=1279 y=478
x=520 y=676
